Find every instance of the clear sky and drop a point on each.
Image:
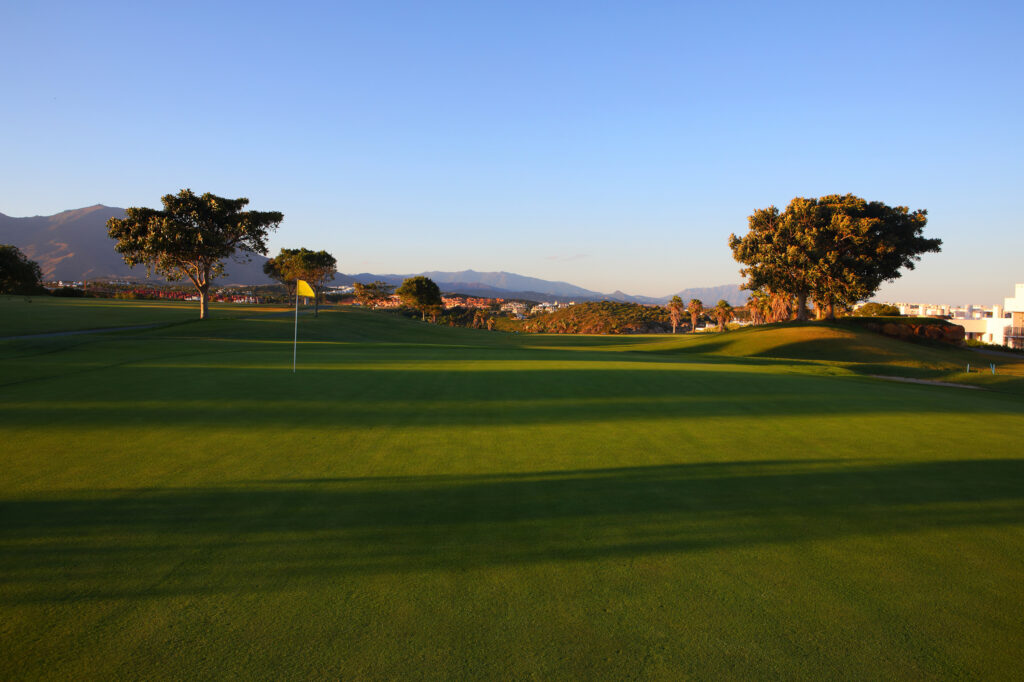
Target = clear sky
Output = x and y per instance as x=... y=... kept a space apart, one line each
x=612 y=145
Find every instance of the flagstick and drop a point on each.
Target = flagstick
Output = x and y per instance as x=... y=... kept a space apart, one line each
x=295 y=346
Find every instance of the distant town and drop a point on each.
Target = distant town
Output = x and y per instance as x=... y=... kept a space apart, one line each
x=1000 y=325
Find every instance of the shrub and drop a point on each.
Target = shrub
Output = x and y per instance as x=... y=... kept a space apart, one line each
x=68 y=292
x=877 y=310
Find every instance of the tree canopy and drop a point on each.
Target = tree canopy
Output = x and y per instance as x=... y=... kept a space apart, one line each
x=836 y=250
x=18 y=273
x=313 y=267
x=421 y=293
x=602 y=317
x=191 y=237
x=874 y=309
x=369 y=294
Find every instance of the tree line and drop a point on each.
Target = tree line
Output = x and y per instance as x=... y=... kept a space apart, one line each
x=832 y=251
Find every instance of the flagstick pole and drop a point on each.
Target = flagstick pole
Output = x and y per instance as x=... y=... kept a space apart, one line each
x=295 y=346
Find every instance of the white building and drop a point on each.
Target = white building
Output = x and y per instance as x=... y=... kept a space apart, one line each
x=1004 y=326
x=515 y=307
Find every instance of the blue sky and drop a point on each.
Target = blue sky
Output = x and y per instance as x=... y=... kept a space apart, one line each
x=612 y=145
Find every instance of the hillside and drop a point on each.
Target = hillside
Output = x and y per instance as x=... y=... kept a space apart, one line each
x=74 y=245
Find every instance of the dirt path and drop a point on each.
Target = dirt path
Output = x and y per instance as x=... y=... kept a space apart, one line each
x=927 y=382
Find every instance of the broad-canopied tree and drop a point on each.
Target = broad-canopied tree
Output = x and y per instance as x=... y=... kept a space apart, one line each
x=777 y=252
x=421 y=293
x=314 y=267
x=836 y=250
x=19 y=274
x=191 y=237
x=276 y=268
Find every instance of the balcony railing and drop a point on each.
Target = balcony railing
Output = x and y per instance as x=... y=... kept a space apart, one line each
x=1013 y=333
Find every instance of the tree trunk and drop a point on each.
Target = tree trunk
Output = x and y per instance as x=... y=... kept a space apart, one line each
x=316 y=303
x=801 y=306
x=830 y=311
x=674 y=325
x=204 y=300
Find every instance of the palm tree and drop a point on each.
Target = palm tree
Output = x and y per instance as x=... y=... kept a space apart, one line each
x=760 y=306
x=722 y=313
x=781 y=306
x=695 y=309
x=675 y=312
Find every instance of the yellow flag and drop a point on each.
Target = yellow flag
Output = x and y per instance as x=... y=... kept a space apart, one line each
x=302 y=288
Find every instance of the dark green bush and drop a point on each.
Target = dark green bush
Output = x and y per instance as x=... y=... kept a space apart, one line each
x=68 y=292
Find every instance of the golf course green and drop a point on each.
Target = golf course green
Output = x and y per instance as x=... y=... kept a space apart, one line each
x=430 y=502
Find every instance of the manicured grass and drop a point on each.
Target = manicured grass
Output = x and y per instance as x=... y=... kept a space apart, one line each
x=44 y=314
x=428 y=502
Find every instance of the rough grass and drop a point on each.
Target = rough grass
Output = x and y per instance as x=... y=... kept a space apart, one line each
x=430 y=502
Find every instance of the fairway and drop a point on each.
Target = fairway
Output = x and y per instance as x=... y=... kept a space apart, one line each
x=430 y=502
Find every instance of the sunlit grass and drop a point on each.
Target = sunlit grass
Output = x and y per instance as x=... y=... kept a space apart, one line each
x=420 y=502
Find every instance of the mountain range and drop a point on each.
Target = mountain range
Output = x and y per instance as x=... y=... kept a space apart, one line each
x=73 y=245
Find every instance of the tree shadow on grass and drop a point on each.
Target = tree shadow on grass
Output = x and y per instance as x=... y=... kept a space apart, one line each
x=225 y=398
x=280 y=535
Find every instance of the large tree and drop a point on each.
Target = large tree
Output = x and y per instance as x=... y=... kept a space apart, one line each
x=776 y=252
x=421 y=293
x=836 y=250
x=277 y=269
x=18 y=273
x=675 y=312
x=314 y=267
x=191 y=237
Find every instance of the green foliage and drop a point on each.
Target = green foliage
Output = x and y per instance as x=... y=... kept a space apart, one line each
x=68 y=292
x=723 y=313
x=604 y=317
x=420 y=293
x=877 y=310
x=837 y=249
x=313 y=267
x=369 y=294
x=981 y=345
x=191 y=237
x=18 y=273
